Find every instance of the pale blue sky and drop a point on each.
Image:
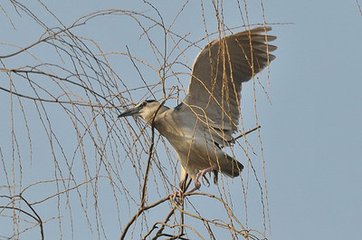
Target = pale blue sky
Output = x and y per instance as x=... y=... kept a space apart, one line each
x=311 y=130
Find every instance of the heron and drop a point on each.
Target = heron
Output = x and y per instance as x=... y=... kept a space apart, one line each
x=205 y=121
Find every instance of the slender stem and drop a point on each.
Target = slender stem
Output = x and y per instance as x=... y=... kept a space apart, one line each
x=244 y=134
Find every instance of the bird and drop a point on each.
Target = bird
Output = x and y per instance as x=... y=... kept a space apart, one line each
x=205 y=121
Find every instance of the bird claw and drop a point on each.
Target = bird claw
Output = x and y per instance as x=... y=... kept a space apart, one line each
x=201 y=174
x=177 y=197
x=206 y=180
x=216 y=176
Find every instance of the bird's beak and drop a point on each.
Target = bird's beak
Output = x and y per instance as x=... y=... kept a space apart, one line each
x=130 y=112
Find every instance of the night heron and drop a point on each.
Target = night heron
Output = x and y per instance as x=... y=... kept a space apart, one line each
x=204 y=122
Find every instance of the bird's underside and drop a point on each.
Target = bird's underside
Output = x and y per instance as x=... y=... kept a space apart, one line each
x=202 y=160
x=197 y=150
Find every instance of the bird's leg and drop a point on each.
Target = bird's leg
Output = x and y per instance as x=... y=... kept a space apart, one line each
x=178 y=195
x=199 y=175
x=183 y=180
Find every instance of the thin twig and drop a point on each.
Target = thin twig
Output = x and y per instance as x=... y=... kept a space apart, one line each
x=139 y=212
x=244 y=134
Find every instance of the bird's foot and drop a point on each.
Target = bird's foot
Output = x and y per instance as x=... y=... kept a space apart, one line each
x=197 y=186
x=201 y=174
x=177 y=197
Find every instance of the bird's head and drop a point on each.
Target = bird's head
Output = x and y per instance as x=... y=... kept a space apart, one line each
x=145 y=110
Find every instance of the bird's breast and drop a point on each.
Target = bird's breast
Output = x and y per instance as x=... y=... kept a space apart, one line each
x=178 y=132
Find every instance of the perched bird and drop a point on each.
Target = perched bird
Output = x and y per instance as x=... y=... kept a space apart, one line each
x=204 y=122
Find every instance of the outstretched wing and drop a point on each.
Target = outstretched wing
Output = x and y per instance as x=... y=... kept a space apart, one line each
x=218 y=72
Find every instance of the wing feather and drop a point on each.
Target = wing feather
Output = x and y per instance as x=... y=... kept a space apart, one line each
x=217 y=75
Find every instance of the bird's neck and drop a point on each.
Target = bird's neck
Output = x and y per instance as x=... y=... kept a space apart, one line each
x=161 y=123
x=152 y=119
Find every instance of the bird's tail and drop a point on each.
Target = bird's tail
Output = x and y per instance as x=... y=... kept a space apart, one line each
x=232 y=168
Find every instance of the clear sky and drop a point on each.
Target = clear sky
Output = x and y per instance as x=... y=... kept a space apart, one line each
x=311 y=125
